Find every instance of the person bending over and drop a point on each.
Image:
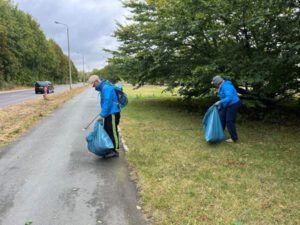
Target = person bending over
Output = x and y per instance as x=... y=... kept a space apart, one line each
x=110 y=111
x=228 y=105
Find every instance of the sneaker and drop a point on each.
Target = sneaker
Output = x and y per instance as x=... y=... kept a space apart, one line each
x=116 y=153
x=111 y=154
x=230 y=140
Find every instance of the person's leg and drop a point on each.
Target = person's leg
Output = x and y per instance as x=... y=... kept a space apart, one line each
x=222 y=114
x=115 y=122
x=230 y=120
x=118 y=117
x=108 y=127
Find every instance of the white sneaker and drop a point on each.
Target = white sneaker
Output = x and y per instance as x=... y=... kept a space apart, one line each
x=230 y=140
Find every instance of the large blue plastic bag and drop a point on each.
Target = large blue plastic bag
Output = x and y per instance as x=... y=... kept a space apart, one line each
x=98 y=140
x=213 y=130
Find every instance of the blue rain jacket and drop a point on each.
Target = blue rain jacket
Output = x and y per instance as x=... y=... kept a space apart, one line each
x=109 y=100
x=213 y=130
x=98 y=140
x=227 y=94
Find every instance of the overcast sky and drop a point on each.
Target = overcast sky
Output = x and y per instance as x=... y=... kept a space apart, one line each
x=91 y=24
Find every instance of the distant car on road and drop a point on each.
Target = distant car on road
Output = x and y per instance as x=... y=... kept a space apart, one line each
x=40 y=87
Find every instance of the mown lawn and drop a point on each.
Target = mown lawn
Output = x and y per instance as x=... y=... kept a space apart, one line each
x=184 y=180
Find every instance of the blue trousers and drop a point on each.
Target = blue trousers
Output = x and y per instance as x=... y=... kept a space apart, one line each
x=228 y=117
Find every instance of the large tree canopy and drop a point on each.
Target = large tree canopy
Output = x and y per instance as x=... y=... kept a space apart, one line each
x=25 y=54
x=108 y=72
x=185 y=43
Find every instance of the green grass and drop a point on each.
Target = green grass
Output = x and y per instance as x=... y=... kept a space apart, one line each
x=184 y=180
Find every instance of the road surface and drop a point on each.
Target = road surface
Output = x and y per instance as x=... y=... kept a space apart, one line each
x=14 y=97
x=48 y=177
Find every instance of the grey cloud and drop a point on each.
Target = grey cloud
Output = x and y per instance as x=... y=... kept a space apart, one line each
x=91 y=24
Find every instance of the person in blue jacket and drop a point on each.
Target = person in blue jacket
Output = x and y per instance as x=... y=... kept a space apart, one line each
x=228 y=105
x=110 y=110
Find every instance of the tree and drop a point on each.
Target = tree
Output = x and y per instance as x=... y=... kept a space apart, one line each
x=25 y=54
x=109 y=72
x=185 y=43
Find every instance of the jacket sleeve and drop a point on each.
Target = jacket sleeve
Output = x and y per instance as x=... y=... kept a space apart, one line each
x=228 y=93
x=107 y=102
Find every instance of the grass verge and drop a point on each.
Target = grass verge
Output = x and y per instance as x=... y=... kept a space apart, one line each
x=184 y=180
x=16 y=119
x=11 y=87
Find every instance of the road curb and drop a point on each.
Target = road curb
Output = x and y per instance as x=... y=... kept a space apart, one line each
x=126 y=149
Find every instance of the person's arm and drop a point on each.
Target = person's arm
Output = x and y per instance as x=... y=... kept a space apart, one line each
x=228 y=92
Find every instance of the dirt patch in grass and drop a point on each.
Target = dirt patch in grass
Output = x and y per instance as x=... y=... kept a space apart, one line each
x=16 y=119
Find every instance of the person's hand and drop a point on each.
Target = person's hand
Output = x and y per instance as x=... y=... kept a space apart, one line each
x=101 y=120
x=217 y=103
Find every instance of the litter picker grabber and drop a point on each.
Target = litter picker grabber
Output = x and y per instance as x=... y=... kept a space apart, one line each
x=86 y=127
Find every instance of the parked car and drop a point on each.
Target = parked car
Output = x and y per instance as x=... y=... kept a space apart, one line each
x=40 y=85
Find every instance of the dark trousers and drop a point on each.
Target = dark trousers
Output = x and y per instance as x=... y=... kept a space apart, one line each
x=111 y=127
x=228 y=118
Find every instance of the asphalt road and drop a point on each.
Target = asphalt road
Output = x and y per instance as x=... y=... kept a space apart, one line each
x=48 y=177
x=14 y=97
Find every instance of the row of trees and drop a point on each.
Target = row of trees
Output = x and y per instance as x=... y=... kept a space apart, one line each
x=185 y=43
x=108 y=72
x=25 y=54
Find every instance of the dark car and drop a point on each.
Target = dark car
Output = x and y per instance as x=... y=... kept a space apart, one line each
x=40 y=87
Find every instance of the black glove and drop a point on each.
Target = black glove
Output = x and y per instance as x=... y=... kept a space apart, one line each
x=101 y=120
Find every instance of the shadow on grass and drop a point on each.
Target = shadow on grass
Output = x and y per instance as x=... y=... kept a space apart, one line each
x=285 y=114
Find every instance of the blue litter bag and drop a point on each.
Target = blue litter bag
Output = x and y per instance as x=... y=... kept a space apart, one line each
x=213 y=130
x=98 y=140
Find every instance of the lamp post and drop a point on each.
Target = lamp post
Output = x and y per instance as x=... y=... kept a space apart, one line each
x=84 y=78
x=70 y=73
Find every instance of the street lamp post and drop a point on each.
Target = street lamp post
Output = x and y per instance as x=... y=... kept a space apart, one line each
x=70 y=73
x=84 y=78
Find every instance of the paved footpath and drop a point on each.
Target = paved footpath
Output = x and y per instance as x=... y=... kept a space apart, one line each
x=48 y=177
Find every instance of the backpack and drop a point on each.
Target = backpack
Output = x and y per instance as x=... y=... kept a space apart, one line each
x=122 y=97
